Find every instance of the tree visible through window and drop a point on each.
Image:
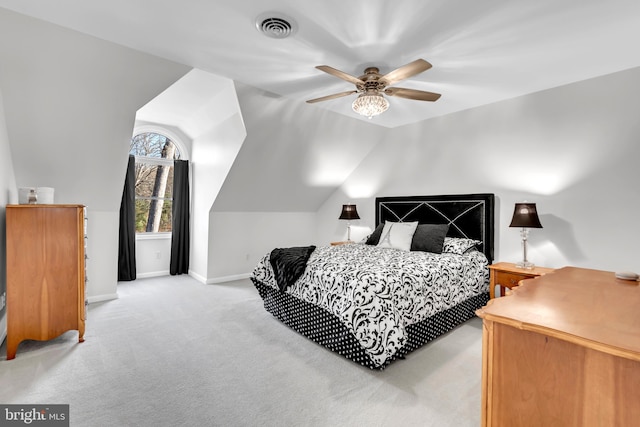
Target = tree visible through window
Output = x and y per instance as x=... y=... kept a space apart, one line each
x=154 y=154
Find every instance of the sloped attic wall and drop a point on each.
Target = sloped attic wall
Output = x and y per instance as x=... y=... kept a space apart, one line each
x=294 y=157
x=70 y=103
x=295 y=154
x=573 y=150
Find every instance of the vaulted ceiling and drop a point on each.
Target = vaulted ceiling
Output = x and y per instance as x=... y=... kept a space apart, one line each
x=482 y=52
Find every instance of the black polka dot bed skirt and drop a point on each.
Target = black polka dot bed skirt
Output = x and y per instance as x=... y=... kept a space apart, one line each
x=326 y=329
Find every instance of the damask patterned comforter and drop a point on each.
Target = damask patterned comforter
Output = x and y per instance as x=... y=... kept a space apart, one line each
x=377 y=292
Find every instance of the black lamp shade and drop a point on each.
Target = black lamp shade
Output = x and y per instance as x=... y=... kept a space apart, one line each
x=349 y=212
x=525 y=215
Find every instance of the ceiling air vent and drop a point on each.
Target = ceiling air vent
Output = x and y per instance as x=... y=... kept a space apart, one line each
x=275 y=26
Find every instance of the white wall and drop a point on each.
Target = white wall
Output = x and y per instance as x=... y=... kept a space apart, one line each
x=238 y=240
x=8 y=194
x=153 y=256
x=573 y=150
x=213 y=156
x=70 y=102
x=102 y=264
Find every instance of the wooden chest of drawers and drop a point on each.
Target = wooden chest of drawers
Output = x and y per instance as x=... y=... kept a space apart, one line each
x=45 y=272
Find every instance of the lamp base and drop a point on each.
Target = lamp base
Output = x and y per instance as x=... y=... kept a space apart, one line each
x=525 y=265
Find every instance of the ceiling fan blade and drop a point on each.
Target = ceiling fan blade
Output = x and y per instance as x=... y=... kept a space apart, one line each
x=340 y=74
x=328 y=97
x=404 y=72
x=419 y=95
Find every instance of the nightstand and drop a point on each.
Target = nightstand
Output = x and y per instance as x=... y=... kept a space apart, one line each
x=507 y=275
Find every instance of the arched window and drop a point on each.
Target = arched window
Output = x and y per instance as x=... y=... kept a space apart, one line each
x=154 y=155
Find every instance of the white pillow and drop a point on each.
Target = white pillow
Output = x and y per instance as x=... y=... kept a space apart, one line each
x=397 y=235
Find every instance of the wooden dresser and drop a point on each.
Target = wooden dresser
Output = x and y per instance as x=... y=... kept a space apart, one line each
x=563 y=350
x=45 y=272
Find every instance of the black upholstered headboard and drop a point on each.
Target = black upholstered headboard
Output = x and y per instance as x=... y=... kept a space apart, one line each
x=468 y=215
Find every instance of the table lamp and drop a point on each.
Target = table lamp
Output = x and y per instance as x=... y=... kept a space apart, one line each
x=525 y=216
x=349 y=212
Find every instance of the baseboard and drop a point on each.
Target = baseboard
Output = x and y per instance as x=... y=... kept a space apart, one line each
x=152 y=274
x=198 y=277
x=100 y=298
x=225 y=279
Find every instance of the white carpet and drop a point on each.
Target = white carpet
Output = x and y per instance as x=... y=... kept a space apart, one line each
x=174 y=352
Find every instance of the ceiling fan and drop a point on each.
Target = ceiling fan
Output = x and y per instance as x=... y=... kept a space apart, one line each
x=371 y=85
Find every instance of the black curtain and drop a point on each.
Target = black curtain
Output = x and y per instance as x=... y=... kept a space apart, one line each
x=127 y=234
x=180 y=227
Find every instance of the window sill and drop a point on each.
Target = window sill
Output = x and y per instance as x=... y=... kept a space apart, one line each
x=153 y=236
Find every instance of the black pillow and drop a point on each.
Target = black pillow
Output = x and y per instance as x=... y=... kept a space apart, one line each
x=429 y=238
x=374 y=237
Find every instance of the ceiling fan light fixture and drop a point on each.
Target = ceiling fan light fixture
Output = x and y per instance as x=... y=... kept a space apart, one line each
x=370 y=104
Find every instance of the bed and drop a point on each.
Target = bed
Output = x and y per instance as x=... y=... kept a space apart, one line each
x=375 y=304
